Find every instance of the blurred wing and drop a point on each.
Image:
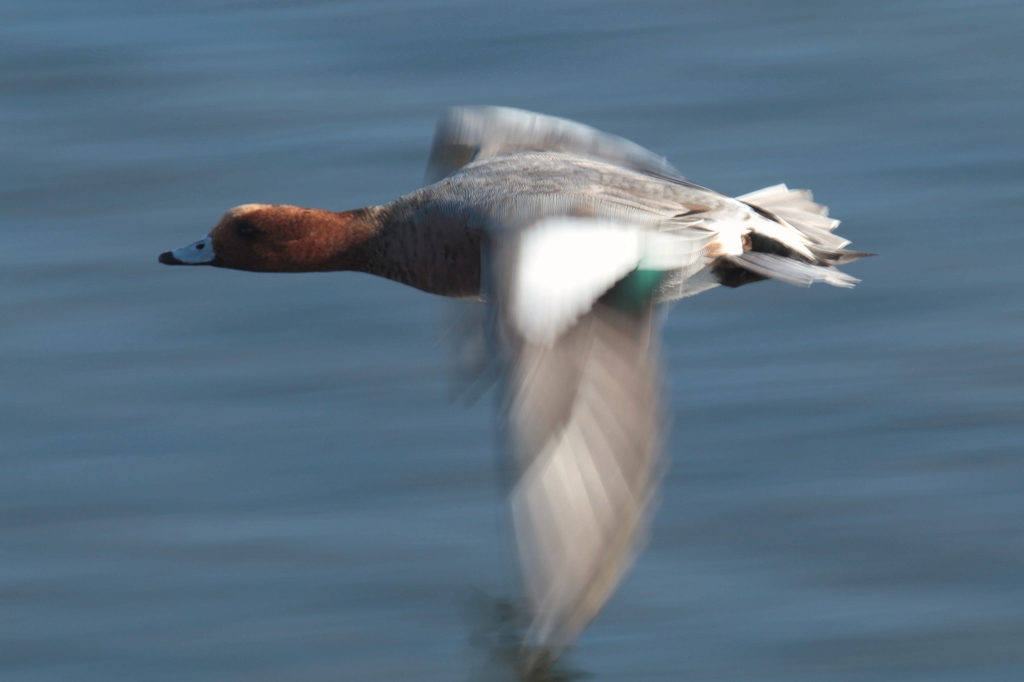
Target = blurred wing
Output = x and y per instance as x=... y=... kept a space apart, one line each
x=467 y=134
x=584 y=425
x=584 y=428
x=472 y=368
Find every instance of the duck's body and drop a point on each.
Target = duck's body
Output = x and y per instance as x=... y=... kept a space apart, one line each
x=431 y=238
x=573 y=236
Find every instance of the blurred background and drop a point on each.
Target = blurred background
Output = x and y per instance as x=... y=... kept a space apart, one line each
x=216 y=475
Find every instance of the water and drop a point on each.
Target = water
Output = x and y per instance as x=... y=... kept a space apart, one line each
x=214 y=475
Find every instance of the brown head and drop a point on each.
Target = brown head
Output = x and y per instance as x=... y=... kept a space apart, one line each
x=265 y=238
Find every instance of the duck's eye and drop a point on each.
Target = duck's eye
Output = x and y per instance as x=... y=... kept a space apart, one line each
x=247 y=230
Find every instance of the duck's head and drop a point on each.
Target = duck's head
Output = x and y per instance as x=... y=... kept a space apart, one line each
x=277 y=238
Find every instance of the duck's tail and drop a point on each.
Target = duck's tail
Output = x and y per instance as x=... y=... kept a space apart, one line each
x=797 y=245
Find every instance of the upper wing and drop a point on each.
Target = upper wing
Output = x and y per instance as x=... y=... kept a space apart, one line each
x=466 y=134
x=583 y=419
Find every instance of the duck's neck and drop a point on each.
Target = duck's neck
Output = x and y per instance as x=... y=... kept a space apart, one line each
x=435 y=253
x=341 y=240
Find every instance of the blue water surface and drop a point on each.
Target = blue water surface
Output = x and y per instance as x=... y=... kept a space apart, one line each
x=215 y=475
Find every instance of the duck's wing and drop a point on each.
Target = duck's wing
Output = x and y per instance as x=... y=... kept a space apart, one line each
x=583 y=417
x=584 y=426
x=467 y=134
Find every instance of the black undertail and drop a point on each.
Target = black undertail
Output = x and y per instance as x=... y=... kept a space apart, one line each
x=732 y=275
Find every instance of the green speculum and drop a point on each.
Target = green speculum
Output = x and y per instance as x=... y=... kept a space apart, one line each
x=634 y=291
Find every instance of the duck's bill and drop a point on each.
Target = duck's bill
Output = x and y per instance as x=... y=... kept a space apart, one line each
x=198 y=253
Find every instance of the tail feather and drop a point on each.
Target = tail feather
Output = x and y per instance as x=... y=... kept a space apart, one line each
x=811 y=226
x=796 y=204
x=792 y=271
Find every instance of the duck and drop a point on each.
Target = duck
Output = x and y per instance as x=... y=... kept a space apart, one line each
x=569 y=239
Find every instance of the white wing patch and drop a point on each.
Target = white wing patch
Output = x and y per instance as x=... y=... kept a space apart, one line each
x=564 y=265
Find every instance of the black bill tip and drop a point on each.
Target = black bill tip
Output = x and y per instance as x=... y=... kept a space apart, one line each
x=167 y=258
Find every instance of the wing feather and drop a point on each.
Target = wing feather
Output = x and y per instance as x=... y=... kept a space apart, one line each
x=584 y=427
x=467 y=134
x=582 y=404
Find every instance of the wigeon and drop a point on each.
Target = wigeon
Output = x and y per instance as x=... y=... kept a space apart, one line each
x=572 y=236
